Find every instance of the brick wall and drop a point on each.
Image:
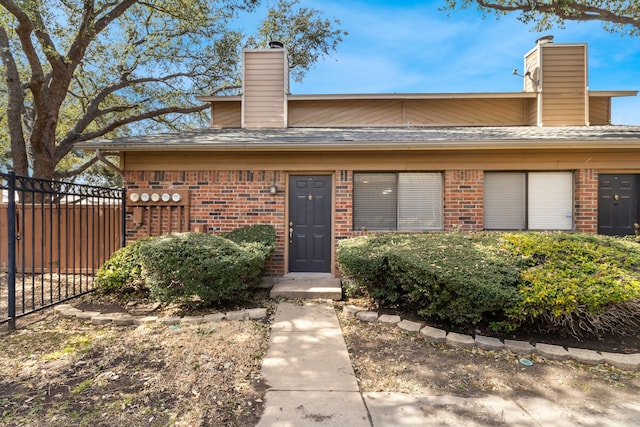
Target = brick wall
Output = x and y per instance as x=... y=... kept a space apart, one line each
x=222 y=201
x=586 y=199
x=463 y=193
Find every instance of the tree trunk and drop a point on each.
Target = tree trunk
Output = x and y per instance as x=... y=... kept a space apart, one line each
x=14 y=107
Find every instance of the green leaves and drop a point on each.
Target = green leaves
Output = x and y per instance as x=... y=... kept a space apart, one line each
x=191 y=267
x=306 y=35
x=574 y=281
x=578 y=283
x=617 y=16
x=458 y=277
x=104 y=69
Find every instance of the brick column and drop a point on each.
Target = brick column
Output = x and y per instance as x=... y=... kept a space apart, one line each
x=463 y=200
x=586 y=199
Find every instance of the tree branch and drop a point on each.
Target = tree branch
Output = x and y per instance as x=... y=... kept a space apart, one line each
x=93 y=108
x=566 y=10
x=24 y=30
x=76 y=171
x=66 y=146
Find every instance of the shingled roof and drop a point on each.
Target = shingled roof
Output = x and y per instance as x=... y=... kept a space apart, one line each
x=425 y=138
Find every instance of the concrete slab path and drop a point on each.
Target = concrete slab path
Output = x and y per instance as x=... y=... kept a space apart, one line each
x=308 y=370
x=312 y=383
x=403 y=410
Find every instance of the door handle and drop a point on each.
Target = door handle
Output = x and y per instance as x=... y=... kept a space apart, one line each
x=291 y=232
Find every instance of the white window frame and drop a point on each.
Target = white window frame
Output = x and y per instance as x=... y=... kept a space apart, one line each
x=547 y=201
x=417 y=203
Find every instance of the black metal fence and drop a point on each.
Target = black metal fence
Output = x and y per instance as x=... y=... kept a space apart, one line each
x=54 y=237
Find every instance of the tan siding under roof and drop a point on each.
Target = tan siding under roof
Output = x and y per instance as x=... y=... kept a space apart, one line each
x=399 y=160
x=410 y=112
x=599 y=111
x=226 y=115
x=532 y=112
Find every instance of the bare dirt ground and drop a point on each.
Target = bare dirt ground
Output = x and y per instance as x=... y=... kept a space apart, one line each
x=63 y=372
x=37 y=290
x=385 y=358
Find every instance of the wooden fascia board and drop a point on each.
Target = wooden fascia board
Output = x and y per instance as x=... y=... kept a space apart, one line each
x=383 y=96
x=612 y=93
x=468 y=145
x=408 y=96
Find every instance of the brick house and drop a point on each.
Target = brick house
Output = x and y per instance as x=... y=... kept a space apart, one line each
x=321 y=168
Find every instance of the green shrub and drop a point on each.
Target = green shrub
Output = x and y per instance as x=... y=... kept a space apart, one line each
x=258 y=233
x=364 y=260
x=122 y=270
x=575 y=282
x=211 y=269
x=459 y=277
x=456 y=277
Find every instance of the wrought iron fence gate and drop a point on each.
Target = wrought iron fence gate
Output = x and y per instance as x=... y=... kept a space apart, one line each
x=54 y=236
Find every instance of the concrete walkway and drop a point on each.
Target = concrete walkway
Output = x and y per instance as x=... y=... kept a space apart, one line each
x=312 y=383
x=308 y=370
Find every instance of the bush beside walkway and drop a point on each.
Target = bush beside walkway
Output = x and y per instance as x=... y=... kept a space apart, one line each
x=569 y=282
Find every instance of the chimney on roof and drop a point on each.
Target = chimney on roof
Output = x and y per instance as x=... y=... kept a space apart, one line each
x=557 y=73
x=265 y=86
x=544 y=40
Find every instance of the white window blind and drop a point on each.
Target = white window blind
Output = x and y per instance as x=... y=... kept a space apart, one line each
x=419 y=201
x=505 y=200
x=550 y=201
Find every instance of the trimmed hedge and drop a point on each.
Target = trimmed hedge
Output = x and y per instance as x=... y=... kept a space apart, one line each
x=192 y=267
x=122 y=270
x=577 y=283
x=365 y=260
x=214 y=269
x=258 y=233
x=455 y=277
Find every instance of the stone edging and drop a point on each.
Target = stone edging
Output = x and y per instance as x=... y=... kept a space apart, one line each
x=630 y=362
x=125 y=319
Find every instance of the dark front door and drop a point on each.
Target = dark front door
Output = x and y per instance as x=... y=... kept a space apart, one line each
x=310 y=223
x=617 y=204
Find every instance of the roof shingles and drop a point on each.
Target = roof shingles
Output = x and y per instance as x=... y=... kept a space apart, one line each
x=375 y=138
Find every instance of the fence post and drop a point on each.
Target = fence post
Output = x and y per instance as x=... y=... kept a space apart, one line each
x=123 y=237
x=11 y=250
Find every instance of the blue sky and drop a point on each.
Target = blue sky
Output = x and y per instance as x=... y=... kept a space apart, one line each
x=412 y=47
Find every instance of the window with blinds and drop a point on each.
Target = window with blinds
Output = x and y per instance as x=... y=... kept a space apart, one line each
x=550 y=201
x=528 y=200
x=505 y=201
x=397 y=201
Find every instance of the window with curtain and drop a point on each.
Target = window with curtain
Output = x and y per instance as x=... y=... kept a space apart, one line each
x=397 y=201
x=528 y=200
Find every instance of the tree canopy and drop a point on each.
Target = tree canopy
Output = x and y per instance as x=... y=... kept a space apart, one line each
x=618 y=16
x=75 y=70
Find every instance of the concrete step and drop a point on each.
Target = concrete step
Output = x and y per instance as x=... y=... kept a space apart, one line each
x=307 y=286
